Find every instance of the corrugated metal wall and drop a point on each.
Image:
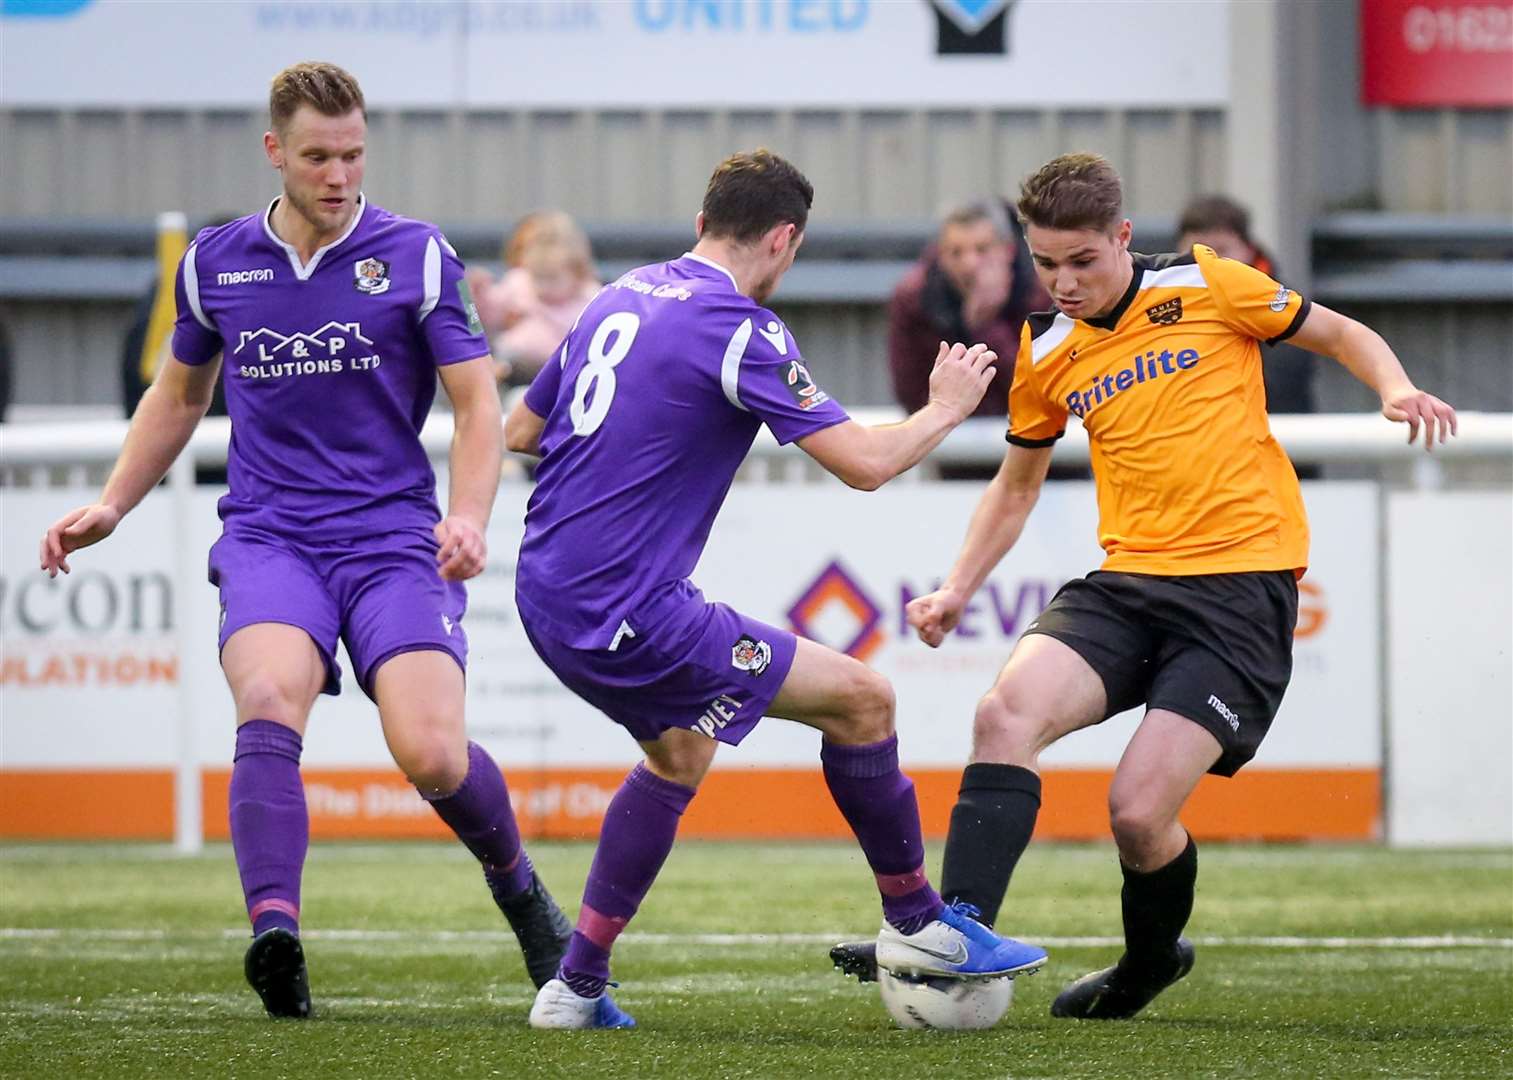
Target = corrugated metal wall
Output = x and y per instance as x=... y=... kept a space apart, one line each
x=601 y=165
x=651 y=166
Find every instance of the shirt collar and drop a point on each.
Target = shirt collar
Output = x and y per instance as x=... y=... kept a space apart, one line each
x=712 y=263
x=303 y=272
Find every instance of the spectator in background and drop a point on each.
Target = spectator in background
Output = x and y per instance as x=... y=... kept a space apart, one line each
x=1224 y=225
x=974 y=283
x=548 y=278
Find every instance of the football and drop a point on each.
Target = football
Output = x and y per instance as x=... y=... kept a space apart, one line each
x=944 y=1004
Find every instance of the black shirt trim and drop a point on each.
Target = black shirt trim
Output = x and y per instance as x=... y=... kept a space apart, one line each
x=1033 y=444
x=1297 y=321
x=1139 y=264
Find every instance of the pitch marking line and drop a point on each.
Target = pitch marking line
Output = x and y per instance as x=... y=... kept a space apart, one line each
x=1448 y=941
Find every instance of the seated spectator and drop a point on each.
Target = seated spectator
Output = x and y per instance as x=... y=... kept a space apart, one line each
x=548 y=278
x=974 y=283
x=1224 y=225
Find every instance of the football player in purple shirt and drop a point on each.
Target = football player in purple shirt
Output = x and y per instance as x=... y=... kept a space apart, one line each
x=641 y=422
x=333 y=318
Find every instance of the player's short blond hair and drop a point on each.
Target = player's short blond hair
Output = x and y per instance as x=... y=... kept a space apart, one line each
x=1073 y=191
x=326 y=88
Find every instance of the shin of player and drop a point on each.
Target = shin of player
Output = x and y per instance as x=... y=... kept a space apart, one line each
x=661 y=387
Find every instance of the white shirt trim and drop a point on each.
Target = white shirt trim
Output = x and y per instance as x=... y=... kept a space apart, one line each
x=711 y=262
x=192 y=288
x=730 y=367
x=1043 y=345
x=431 y=278
x=1174 y=277
x=303 y=272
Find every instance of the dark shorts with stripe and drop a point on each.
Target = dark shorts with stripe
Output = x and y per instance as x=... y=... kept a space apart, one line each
x=1215 y=648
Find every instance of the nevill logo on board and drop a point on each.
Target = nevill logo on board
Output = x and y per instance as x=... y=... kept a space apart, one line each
x=838 y=610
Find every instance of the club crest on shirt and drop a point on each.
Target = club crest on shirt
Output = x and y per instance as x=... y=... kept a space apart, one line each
x=806 y=392
x=750 y=655
x=371 y=276
x=1166 y=313
x=1279 y=301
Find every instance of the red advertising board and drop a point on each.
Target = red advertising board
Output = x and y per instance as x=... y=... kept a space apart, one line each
x=1437 y=53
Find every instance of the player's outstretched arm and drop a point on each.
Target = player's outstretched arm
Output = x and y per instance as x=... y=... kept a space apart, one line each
x=165 y=418
x=868 y=457
x=1371 y=360
x=995 y=526
x=476 y=456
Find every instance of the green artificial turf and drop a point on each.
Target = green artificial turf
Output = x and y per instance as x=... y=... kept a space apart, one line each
x=125 y=961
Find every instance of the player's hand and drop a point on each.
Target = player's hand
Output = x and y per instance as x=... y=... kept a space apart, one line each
x=935 y=615
x=74 y=530
x=462 y=551
x=961 y=377
x=1414 y=407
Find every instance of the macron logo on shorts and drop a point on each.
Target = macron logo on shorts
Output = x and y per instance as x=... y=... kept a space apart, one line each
x=1231 y=717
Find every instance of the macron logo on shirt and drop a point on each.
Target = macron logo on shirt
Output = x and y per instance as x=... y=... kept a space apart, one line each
x=243 y=277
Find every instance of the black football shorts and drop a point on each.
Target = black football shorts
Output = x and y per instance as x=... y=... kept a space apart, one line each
x=1215 y=648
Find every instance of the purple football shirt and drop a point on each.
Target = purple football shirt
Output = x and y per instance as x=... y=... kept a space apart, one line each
x=651 y=405
x=330 y=367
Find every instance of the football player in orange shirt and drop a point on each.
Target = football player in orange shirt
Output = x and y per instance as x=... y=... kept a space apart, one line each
x=1192 y=613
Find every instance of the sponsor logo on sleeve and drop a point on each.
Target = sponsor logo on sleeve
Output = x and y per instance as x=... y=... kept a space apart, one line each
x=1166 y=313
x=465 y=295
x=806 y=392
x=750 y=655
x=371 y=276
x=1279 y=301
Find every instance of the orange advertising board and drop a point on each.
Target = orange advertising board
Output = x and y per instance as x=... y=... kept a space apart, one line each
x=733 y=804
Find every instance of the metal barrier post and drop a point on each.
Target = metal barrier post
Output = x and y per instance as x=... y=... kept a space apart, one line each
x=188 y=813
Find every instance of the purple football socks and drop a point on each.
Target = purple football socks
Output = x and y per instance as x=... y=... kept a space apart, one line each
x=479 y=813
x=877 y=801
x=270 y=825
x=638 y=831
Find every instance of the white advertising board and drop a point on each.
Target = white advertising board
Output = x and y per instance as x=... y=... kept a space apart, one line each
x=679 y=54
x=1450 y=759
x=837 y=564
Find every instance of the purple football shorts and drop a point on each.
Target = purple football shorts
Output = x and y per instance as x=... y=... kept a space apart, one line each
x=694 y=665
x=382 y=596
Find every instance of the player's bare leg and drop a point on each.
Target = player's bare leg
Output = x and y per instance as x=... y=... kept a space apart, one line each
x=853 y=707
x=1162 y=764
x=1045 y=691
x=420 y=699
x=640 y=825
x=275 y=673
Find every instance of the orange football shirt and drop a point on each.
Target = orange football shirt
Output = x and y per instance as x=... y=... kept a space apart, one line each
x=1168 y=386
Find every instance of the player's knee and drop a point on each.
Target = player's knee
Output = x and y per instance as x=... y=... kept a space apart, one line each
x=1002 y=725
x=869 y=707
x=435 y=766
x=265 y=695
x=683 y=761
x=1138 y=824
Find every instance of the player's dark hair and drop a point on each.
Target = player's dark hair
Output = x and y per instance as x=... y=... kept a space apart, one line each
x=1208 y=213
x=325 y=87
x=750 y=193
x=1073 y=191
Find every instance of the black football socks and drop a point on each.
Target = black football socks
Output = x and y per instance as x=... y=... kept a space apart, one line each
x=991 y=826
x=1156 y=907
